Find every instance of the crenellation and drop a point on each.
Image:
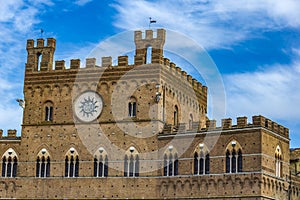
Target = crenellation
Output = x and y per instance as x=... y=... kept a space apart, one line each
x=106 y=61
x=194 y=82
x=268 y=124
x=161 y=34
x=178 y=70
x=149 y=35
x=123 y=61
x=138 y=35
x=178 y=105
x=204 y=90
x=211 y=124
x=60 y=65
x=75 y=64
x=51 y=42
x=40 y=58
x=143 y=45
x=286 y=132
x=241 y=122
x=172 y=66
x=189 y=79
x=40 y=43
x=181 y=128
x=280 y=129
x=90 y=62
x=275 y=127
x=184 y=74
x=168 y=128
x=227 y=123
x=258 y=121
x=199 y=86
x=30 y=44
x=11 y=133
x=167 y=62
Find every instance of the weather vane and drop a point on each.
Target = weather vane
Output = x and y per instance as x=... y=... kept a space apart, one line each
x=42 y=31
x=151 y=21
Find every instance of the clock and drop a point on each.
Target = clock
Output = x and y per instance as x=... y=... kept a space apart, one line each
x=88 y=106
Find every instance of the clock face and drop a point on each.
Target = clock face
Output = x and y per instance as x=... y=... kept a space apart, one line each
x=88 y=106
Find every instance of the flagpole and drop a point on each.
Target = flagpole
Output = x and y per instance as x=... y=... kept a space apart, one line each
x=151 y=21
x=42 y=31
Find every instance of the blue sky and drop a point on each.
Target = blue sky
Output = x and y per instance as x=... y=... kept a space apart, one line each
x=255 y=45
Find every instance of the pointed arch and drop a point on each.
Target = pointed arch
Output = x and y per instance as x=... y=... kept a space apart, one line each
x=43 y=164
x=234 y=157
x=175 y=116
x=201 y=160
x=72 y=163
x=171 y=164
x=131 y=162
x=9 y=163
x=100 y=163
x=278 y=162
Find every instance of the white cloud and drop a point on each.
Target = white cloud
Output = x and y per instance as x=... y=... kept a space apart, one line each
x=82 y=2
x=213 y=24
x=273 y=92
x=8 y=9
x=17 y=19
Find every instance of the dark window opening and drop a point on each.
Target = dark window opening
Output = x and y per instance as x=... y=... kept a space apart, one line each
x=3 y=167
x=196 y=163
x=132 y=109
x=240 y=161
x=125 y=166
x=165 y=165
x=48 y=113
x=227 y=161
x=207 y=162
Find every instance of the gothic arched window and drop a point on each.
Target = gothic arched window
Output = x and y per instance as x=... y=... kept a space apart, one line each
x=234 y=158
x=278 y=162
x=171 y=164
x=9 y=163
x=175 y=116
x=101 y=163
x=43 y=164
x=131 y=163
x=72 y=163
x=201 y=160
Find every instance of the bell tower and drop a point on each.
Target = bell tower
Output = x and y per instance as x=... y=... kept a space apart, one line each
x=40 y=57
x=143 y=45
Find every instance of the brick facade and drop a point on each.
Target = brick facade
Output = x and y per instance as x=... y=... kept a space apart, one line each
x=153 y=113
